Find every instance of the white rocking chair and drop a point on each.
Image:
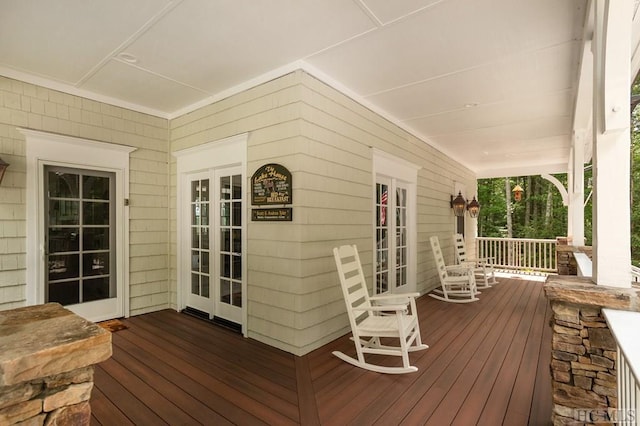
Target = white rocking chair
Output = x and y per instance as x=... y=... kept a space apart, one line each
x=457 y=282
x=483 y=268
x=389 y=316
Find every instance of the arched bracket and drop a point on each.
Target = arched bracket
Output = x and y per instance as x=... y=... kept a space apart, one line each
x=561 y=188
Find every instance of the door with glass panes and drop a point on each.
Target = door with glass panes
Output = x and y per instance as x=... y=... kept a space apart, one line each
x=215 y=272
x=391 y=252
x=80 y=249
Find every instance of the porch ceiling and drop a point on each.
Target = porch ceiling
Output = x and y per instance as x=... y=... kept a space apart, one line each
x=492 y=83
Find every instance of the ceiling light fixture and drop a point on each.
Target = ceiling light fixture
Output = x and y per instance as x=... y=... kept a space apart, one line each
x=128 y=58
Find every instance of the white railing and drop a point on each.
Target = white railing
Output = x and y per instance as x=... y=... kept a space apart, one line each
x=519 y=254
x=624 y=327
x=635 y=274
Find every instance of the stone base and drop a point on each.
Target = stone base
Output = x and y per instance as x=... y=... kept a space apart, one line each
x=46 y=365
x=584 y=357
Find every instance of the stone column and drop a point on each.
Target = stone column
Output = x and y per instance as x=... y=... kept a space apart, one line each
x=46 y=365
x=583 y=364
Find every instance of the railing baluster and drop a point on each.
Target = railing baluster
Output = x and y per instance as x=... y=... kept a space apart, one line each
x=536 y=255
x=623 y=326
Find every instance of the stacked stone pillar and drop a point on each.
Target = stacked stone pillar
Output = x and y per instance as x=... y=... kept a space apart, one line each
x=584 y=357
x=46 y=365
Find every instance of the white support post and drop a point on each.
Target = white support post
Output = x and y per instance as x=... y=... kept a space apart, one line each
x=611 y=139
x=576 y=192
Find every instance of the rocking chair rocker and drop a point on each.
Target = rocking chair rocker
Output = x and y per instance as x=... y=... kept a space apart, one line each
x=375 y=317
x=457 y=282
x=482 y=268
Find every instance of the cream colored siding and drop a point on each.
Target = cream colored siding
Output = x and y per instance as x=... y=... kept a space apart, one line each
x=30 y=106
x=325 y=139
x=269 y=112
x=342 y=134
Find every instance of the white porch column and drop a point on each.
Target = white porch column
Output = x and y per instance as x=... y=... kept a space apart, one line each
x=611 y=143
x=576 y=191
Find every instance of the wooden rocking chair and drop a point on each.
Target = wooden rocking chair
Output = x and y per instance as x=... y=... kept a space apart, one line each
x=457 y=282
x=483 y=268
x=375 y=317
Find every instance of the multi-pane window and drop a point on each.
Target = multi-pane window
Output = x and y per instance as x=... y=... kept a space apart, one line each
x=200 y=237
x=230 y=274
x=382 y=240
x=79 y=227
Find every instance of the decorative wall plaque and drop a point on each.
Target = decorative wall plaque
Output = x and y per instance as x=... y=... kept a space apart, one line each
x=276 y=214
x=271 y=184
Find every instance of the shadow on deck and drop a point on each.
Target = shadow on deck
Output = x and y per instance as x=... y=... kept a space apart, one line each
x=488 y=364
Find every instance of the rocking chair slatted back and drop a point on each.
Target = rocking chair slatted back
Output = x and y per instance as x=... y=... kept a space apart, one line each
x=371 y=318
x=457 y=282
x=483 y=268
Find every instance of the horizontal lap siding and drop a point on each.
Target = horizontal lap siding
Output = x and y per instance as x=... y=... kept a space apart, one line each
x=339 y=137
x=325 y=139
x=270 y=113
x=38 y=108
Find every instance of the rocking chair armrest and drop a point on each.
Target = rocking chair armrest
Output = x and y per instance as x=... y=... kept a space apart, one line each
x=384 y=308
x=399 y=296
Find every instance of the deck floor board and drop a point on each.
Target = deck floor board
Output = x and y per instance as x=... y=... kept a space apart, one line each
x=488 y=363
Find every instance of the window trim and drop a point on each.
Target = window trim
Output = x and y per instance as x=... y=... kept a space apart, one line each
x=43 y=148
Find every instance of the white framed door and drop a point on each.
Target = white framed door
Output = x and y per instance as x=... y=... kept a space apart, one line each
x=229 y=229
x=77 y=224
x=395 y=247
x=198 y=282
x=213 y=280
x=211 y=235
x=391 y=236
x=79 y=240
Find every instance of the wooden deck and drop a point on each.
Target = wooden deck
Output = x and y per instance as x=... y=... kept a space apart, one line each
x=488 y=364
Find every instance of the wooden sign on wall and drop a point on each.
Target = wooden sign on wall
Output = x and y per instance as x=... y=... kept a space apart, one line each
x=271 y=184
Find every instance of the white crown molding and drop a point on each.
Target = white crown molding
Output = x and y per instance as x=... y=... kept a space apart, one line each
x=246 y=85
x=73 y=90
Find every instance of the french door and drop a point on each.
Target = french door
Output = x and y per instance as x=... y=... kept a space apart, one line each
x=79 y=240
x=214 y=284
x=391 y=234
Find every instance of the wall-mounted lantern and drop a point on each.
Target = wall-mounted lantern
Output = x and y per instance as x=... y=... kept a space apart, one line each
x=458 y=205
x=3 y=168
x=517 y=192
x=473 y=207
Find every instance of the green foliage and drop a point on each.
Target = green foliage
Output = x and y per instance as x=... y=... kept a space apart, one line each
x=540 y=213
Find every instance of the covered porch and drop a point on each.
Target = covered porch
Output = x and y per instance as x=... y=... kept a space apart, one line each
x=488 y=363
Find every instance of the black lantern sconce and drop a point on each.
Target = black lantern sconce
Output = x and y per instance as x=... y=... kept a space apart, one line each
x=458 y=205
x=3 y=168
x=474 y=208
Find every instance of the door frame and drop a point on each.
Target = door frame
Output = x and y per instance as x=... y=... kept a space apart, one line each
x=45 y=149
x=227 y=152
x=395 y=169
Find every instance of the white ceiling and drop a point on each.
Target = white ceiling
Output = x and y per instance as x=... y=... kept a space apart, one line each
x=490 y=82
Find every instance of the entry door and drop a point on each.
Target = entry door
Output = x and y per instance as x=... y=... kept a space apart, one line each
x=392 y=261
x=215 y=284
x=80 y=249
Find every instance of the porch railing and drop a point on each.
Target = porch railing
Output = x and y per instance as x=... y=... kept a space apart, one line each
x=519 y=254
x=624 y=327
